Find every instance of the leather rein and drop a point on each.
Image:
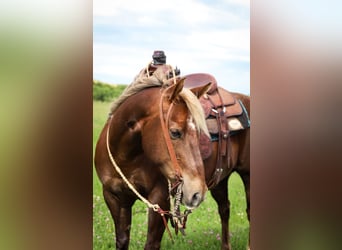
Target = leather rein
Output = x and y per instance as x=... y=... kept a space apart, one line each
x=178 y=220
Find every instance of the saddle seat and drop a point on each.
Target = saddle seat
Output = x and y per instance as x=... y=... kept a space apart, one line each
x=217 y=99
x=200 y=79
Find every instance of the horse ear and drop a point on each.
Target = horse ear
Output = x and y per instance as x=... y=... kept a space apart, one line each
x=200 y=91
x=177 y=88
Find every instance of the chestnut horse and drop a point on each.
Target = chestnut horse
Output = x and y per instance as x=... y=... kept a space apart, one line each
x=150 y=143
x=138 y=147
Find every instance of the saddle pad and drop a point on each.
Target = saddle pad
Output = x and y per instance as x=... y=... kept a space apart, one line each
x=200 y=79
x=235 y=123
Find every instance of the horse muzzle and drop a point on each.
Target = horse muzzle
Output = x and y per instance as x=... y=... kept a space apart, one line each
x=193 y=201
x=193 y=193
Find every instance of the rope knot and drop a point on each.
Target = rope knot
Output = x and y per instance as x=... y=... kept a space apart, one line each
x=156 y=208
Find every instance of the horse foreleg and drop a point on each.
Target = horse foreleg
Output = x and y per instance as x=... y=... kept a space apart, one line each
x=220 y=194
x=122 y=216
x=156 y=225
x=155 y=230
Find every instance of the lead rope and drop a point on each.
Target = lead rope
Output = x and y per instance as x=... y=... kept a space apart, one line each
x=147 y=71
x=155 y=207
x=174 y=75
x=172 y=69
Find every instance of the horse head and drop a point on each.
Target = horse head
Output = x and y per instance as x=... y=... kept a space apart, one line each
x=181 y=120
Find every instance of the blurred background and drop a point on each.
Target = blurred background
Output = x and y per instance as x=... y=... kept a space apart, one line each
x=46 y=58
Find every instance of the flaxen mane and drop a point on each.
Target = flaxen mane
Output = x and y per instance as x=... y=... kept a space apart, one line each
x=158 y=79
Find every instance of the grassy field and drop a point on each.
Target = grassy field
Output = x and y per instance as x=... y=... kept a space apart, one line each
x=203 y=226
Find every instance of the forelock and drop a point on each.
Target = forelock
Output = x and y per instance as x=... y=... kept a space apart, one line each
x=195 y=109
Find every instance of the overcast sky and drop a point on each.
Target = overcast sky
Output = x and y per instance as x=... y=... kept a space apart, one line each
x=196 y=35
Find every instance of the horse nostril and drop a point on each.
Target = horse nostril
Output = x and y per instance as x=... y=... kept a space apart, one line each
x=196 y=199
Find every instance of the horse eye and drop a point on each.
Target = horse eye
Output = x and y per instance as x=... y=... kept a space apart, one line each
x=175 y=134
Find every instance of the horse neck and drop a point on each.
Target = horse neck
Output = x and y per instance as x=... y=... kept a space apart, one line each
x=127 y=119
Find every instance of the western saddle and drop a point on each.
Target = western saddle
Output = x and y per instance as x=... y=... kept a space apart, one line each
x=225 y=116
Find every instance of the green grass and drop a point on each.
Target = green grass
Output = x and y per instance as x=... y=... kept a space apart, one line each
x=203 y=226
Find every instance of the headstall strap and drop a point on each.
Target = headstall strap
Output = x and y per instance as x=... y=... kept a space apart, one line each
x=164 y=125
x=178 y=220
